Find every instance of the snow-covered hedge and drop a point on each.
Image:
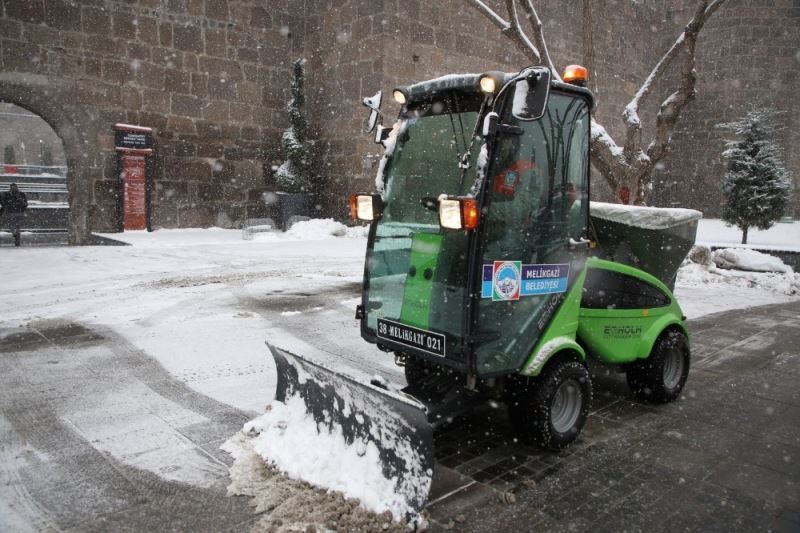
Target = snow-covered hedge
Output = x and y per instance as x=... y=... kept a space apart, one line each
x=750 y=260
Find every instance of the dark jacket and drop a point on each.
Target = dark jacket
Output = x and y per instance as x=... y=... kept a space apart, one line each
x=14 y=202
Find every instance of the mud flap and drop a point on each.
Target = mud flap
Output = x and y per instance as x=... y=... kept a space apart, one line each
x=394 y=422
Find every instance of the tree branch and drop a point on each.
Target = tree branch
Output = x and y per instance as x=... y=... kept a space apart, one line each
x=509 y=29
x=685 y=43
x=517 y=29
x=607 y=157
x=630 y=165
x=538 y=36
x=671 y=108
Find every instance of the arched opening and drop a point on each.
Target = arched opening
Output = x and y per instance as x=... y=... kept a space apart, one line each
x=33 y=157
x=74 y=124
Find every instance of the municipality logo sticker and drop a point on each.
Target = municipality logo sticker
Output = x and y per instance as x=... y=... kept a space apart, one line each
x=506 y=277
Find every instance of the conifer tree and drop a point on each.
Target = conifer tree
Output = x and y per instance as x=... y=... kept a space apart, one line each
x=756 y=185
x=295 y=174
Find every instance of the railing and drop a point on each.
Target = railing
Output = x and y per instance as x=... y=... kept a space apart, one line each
x=48 y=197
x=42 y=188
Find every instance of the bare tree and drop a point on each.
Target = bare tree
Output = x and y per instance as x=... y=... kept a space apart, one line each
x=629 y=167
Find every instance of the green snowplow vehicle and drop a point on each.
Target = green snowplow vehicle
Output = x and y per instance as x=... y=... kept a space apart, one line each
x=489 y=277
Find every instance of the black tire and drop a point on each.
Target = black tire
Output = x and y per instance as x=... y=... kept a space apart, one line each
x=661 y=377
x=543 y=410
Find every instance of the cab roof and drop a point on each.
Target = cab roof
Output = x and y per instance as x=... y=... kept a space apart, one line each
x=471 y=82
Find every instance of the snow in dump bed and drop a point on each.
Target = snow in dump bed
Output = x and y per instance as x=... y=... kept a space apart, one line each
x=654 y=218
x=750 y=260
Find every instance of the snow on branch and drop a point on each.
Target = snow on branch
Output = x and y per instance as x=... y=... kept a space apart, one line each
x=629 y=167
x=672 y=106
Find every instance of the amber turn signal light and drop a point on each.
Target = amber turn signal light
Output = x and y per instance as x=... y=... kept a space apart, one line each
x=576 y=75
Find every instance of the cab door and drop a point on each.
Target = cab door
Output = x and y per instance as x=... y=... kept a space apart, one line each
x=536 y=203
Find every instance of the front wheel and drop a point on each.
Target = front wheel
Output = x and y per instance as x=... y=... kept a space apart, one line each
x=550 y=410
x=660 y=378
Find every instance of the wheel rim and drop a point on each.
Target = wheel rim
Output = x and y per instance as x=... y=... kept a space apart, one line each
x=566 y=407
x=673 y=368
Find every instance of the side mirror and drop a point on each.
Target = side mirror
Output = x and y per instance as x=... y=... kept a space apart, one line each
x=374 y=103
x=531 y=93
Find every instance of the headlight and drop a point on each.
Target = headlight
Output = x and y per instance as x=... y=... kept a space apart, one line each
x=491 y=81
x=365 y=206
x=458 y=213
x=400 y=96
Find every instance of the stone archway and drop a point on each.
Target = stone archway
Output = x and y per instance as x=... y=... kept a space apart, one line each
x=56 y=103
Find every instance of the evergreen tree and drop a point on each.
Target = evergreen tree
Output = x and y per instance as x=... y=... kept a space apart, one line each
x=295 y=174
x=756 y=185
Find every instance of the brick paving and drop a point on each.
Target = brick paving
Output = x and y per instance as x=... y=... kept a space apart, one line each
x=726 y=457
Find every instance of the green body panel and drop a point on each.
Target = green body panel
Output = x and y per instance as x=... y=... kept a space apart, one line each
x=612 y=335
x=560 y=333
x=416 y=310
x=620 y=336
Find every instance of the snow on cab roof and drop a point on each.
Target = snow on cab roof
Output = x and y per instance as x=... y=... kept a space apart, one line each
x=643 y=217
x=443 y=83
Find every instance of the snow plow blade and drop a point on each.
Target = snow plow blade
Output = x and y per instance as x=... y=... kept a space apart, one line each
x=395 y=423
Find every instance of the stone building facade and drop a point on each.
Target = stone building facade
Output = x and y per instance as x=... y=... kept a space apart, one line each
x=211 y=77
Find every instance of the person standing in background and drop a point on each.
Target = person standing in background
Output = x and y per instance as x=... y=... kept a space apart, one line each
x=13 y=204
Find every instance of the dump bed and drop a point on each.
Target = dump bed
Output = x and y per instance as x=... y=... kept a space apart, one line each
x=653 y=239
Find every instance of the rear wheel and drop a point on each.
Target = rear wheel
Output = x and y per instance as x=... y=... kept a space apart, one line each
x=551 y=409
x=660 y=378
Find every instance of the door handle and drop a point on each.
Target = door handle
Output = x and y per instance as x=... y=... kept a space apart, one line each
x=581 y=242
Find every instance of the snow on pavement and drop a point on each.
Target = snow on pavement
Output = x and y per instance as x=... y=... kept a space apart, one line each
x=203 y=302
x=190 y=297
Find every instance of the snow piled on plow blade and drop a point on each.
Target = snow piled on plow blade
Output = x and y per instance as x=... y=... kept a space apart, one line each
x=329 y=430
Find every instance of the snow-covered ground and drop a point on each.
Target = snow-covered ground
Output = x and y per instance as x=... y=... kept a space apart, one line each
x=703 y=291
x=782 y=236
x=186 y=296
x=183 y=296
x=194 y=299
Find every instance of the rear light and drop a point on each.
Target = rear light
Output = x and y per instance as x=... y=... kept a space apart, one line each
x=458 y=213
x=366 y=207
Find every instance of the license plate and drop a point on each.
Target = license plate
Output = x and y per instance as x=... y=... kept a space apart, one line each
x=427 y=341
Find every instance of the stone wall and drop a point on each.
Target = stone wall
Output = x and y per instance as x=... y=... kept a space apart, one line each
x=212 y=77
x=209 y=75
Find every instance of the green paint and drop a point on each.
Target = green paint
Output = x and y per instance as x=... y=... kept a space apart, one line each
x=623 y=335
x=425 y=248
x=560 y=333
x=611 y=335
